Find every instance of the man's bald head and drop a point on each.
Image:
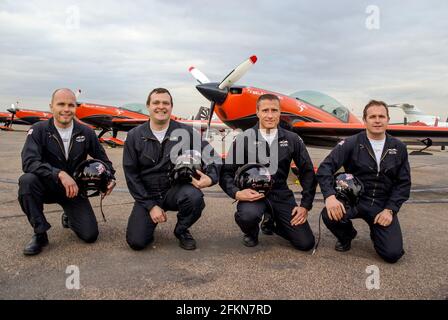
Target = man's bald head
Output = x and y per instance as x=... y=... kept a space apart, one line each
x=62 y=90
x=63 y=106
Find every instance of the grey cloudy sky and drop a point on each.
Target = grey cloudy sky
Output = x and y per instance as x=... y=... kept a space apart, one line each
x=120 y=50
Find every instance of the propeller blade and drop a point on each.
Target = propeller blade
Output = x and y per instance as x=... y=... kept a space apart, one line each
x=237 y=73
x=212 y=109
x=198 y=75
x=12 y=120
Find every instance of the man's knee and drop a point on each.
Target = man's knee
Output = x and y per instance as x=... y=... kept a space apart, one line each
x=136 y=243
x=27 y=182
x=391 y=256
x=192 y=199
x=247 y=216
x=305 y=244
x=89 y=235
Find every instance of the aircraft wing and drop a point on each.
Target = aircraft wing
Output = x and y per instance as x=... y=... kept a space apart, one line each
x=198 y=124
x=202 y=124
x=328 y=134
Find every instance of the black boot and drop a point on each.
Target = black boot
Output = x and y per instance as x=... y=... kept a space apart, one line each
x=186 y=240
x=346 y=245
x=250 y=241
x=267 y=225
x=38 y=241
x=64 y=221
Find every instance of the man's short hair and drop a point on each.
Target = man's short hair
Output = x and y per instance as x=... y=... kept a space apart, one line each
x=57 y=90
x=267 y=96
x=374 y=103
x=158 y=90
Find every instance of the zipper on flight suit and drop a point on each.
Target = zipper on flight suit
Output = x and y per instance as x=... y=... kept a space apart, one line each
x=59 y=144
x=377 y=173
x=71 y=144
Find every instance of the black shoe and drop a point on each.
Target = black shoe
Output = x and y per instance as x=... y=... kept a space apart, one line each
x=343 y=246
x=267 y=227
x=38 y=241
x=346 y=245
x=186 y=240
x=64 y=221
x=250 y=241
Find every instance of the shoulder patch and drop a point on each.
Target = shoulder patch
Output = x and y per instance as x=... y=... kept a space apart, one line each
x=341 y=142
x=30 y=131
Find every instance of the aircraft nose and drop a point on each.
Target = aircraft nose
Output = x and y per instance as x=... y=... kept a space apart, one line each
x=211 y=92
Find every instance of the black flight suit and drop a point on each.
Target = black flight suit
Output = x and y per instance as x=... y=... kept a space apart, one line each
x=387 y=188
x=280 y=201
x=43 y=157
x=147 y=165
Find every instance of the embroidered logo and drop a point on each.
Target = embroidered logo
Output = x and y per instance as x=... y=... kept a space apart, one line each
x=341 y=142
x=392 y=151
x=30 y=131
x=80 y=139
x=283 y=143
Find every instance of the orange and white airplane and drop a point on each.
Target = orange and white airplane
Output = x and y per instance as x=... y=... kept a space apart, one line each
x=103 y=117
x=21 y=116
x=115 y=119
x=317 y=124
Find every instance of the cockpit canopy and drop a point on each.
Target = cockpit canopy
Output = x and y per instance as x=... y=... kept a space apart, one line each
x=136 y=107
x=323 y=102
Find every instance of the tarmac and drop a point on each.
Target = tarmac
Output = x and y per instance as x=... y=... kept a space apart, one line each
x=222 y=267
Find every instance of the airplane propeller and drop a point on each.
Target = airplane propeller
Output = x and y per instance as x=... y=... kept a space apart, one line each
x=217 y=92
x=13 y=110
x=198 y=75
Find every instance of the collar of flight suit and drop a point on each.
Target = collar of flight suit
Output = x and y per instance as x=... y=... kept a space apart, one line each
x=147 y=132
x=280 y=131
x=388 y=144
x=77 y=128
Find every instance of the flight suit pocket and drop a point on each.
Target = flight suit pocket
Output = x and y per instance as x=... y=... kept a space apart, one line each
x=391 y=167
x=147 y=160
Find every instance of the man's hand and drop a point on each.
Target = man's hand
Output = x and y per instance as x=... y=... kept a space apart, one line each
x=248 y=195
x=110 y=187
x=335 y=208
x=299 y=216
x=384 y=218
x=203 y=182
x=158 y=215
x=71 y=188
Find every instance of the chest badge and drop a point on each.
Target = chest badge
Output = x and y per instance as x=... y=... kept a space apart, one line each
x=80 y=138
x=392 y=151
